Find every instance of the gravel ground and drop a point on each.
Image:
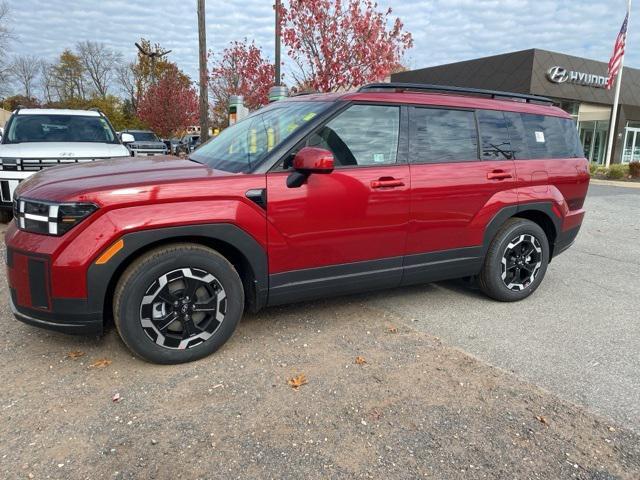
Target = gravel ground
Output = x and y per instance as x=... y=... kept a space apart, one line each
x=410 y=407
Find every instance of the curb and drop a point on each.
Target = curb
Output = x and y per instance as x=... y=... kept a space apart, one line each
x=614 y=183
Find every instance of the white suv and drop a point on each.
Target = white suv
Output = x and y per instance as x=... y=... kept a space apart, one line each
x=38 y=138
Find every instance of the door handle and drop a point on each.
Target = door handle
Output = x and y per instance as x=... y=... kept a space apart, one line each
x=498 y=175
x=386 y=183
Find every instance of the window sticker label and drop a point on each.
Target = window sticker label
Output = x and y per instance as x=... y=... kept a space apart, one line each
x=539 y=137
x=378 y=157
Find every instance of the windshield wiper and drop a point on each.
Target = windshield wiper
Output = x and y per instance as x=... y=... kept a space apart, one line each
x=194 y=160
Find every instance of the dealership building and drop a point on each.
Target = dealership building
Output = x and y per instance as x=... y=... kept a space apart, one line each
x=578 y=85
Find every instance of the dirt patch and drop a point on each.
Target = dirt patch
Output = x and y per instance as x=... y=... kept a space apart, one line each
x=409 y=408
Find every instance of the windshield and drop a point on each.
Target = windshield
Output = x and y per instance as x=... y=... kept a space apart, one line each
x=245 y=144
x=144 y=136
x=59 y=128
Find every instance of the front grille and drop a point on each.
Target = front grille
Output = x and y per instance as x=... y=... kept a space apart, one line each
x=37 y=164
x=6 y=190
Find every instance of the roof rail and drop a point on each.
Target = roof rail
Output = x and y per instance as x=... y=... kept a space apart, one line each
x=420 y=87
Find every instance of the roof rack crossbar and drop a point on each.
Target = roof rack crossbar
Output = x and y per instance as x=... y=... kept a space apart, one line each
x=420 y=87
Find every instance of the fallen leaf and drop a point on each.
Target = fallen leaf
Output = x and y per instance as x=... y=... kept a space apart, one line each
x=75 y=354
x=392 y=330
x=360 y=361
x=100 y=363
x=116 y=397
x=297 y=382
x=542 y=420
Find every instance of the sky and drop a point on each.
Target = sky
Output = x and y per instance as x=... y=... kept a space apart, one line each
x=444 y=31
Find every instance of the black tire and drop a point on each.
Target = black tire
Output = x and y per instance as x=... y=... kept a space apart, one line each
x=152 y=276
x=510 y=273
x=5 y=216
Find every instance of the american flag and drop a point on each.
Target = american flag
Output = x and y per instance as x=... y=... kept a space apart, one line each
x=618 y=53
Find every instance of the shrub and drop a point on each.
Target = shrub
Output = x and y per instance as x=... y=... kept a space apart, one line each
x=634 y=169
x=616 y=171
x=593 y=168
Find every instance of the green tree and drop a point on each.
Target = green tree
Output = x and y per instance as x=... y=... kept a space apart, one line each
x=69 y=77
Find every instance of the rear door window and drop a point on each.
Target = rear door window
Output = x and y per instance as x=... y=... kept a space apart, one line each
x=494 y=136
x=517 y=135
x=442 y=136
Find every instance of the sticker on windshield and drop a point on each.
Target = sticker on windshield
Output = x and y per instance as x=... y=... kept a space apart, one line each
x=378 y=157
x=540 y=137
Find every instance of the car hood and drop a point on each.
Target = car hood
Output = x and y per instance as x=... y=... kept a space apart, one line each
x=62 y=150
x=81 y=181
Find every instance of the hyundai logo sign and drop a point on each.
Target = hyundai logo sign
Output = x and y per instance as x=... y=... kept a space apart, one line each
x=562 y=75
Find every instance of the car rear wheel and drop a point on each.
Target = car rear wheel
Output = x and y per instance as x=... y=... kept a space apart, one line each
x=178 y=303
x=516 y=261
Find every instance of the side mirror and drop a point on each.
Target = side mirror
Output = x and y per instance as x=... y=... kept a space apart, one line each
x=307 y=161
x=127 y=138
x=314 y=160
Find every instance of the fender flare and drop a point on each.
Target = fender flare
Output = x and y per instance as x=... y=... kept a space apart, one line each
x=506 y=213
x=100 y=277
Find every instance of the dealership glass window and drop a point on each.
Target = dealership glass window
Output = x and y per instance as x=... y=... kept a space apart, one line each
x=362 y=135
x=631 y=152
x=442 y=135
x=494 y=136
x=593 y=137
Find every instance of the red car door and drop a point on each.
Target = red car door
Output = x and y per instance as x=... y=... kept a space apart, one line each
x=458 y=181
x=346 y=229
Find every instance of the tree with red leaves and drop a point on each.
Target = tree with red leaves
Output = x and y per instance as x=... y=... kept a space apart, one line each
x=339 y=45
x=169 y=106
x=241 y=69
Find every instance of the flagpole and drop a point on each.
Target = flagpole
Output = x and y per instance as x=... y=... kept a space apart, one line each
x=616 y=99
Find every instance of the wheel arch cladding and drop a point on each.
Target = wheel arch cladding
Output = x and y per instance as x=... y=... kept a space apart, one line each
x=541 y=213
x=237 y=246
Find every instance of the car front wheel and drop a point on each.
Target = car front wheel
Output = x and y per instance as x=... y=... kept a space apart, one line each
x=516 y=261
x=178 y=303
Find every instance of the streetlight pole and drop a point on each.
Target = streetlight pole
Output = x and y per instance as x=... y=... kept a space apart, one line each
x=204 y=100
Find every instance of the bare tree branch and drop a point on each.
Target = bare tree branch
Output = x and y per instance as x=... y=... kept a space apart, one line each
x=24 y=70
x=99 y=62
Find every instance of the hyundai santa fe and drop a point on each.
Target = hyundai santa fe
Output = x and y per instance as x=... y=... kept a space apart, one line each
x=309 y=197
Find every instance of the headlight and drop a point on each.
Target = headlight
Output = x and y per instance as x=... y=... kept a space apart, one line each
x=49 y=218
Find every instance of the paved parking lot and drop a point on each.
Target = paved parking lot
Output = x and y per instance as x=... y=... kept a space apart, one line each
x=579 y=335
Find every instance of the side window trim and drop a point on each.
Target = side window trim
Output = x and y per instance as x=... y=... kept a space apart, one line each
x=413 y=126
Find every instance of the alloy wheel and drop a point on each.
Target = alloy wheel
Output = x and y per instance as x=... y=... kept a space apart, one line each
x=183 y=308
x=521 y=262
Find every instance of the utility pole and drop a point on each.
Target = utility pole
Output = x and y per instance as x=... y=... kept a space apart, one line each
x=278 y=35
x=278 y=91
x=204 y=100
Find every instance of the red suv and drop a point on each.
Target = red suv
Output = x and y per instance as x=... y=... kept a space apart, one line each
x=313 y=196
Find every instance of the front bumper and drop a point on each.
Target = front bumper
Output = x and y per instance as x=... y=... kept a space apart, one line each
x=32 y=302
x=76 y=324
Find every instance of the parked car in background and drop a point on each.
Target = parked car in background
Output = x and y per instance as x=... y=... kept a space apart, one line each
x=172 y=145
x=309 y=197
x=145 y=143
x=35 y=139
x=188 y=143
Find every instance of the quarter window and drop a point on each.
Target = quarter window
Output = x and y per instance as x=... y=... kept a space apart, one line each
x=362 y=135
x=551 y=137
x=441 y=136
